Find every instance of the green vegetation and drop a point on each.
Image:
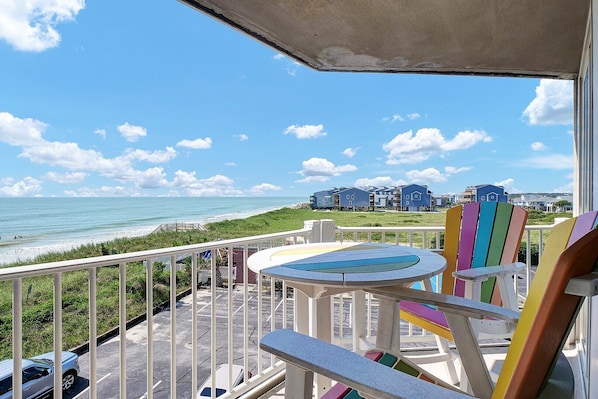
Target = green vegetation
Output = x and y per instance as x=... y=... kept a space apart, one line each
x=38 y=301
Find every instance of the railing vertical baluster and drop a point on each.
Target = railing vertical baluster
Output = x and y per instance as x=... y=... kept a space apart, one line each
x=17 y=336
x=528 y=260
x=58 y=335
x=245 y=272
x=150 y=329
x=194 y=326
x=213 y=322
x=260 y=319
x=231 y=313
x=122 y=333
x=272 y=304
x=173 y=340
x=93 y=333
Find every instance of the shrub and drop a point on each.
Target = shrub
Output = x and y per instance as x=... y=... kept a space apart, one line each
x=534 y=253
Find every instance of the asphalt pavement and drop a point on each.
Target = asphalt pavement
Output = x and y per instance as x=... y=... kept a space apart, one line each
x=108 y=356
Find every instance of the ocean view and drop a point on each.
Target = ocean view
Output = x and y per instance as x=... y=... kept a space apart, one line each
x=33 y=226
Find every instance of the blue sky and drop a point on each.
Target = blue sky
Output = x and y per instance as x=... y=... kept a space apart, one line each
x=137 y=98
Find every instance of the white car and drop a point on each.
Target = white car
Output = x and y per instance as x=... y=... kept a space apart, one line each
x=38 y=375
x=222 y=381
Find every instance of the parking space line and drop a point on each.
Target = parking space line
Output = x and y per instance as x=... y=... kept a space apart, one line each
x=144 y=396
x=87 y=389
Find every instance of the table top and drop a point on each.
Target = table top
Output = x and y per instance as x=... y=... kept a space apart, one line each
x=347 y=264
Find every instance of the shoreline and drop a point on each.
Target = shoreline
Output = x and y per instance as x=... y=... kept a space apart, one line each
x=23 y=248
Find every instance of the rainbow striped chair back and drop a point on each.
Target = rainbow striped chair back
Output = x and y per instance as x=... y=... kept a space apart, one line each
x=477 y=234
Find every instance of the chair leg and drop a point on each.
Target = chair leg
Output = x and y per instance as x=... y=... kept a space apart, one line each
x=443 y=348
x=299 y=383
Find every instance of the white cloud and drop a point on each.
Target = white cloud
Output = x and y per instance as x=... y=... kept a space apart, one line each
x=379 y=182
x=66 y=155
x=553 y=104
x=101 y=133
x=426 y=176
x=537 y=146
x=433 y=175
x=451 y=170
x=103 y=191
x=197 y=144
x=230 y=164
x=401 y=118
x=20 y=132
x=131 y=133
x=408 y=148
x=150 y=156
x=217 y=185
x=263 y=188
x=554 y=161
x=291 y=66
x=566 y=188
x=28 y=187
x=350 y=152
x=395 y=117
x=320 y=170
x=508 y=185
x=150 y=178
x=242 y=137
x=66 y=178
x=306 y=131
x=31 y=25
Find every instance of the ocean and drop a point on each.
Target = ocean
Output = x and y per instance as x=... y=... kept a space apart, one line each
x=34 y=226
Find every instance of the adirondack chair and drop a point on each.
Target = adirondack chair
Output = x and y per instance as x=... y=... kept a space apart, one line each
x=534 y=365
x=477 y=236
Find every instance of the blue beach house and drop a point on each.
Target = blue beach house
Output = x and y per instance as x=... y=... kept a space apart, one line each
x=352 y=199
x=413 y=198
x=323 y=199
x=485 y=193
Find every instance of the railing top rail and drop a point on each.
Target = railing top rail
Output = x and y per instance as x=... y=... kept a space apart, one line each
x=10 y=273
x=423 y=228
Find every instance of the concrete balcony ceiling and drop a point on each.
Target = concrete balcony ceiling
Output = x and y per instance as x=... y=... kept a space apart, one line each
x=534 y=38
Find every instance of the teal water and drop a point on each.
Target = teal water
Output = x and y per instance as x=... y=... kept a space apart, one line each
x=32 y=226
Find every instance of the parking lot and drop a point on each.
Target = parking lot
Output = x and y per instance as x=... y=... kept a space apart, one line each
x=136 y=350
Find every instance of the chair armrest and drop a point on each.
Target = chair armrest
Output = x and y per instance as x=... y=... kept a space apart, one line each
x=586 y=285
x=448 y=303
x=482 y=273
x=371 y=379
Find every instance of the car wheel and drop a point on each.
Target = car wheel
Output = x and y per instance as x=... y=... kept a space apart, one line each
x=68 y=380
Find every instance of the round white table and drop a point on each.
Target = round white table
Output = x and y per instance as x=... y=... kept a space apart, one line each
x=330 y=268
x=322 y=269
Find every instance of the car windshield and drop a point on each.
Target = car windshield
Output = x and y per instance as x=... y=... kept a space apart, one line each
x=43 y=361
x=207 y=392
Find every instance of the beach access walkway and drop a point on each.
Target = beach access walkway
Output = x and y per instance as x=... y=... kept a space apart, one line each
x=182 y=226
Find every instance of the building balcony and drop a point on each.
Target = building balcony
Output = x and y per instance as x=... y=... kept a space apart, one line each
x=219 y=320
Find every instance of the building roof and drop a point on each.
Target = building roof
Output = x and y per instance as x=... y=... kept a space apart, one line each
x=536 y=38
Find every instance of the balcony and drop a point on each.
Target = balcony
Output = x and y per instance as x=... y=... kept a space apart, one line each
x=172 y=353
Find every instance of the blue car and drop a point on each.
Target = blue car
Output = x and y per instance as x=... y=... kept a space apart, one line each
x=38 y=375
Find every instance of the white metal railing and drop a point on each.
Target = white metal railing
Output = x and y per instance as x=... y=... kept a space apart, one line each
x=238 y=316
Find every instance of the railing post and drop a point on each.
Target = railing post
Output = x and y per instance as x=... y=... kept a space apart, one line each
x=327 y=230
x=314 y=227
x=321 y=230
